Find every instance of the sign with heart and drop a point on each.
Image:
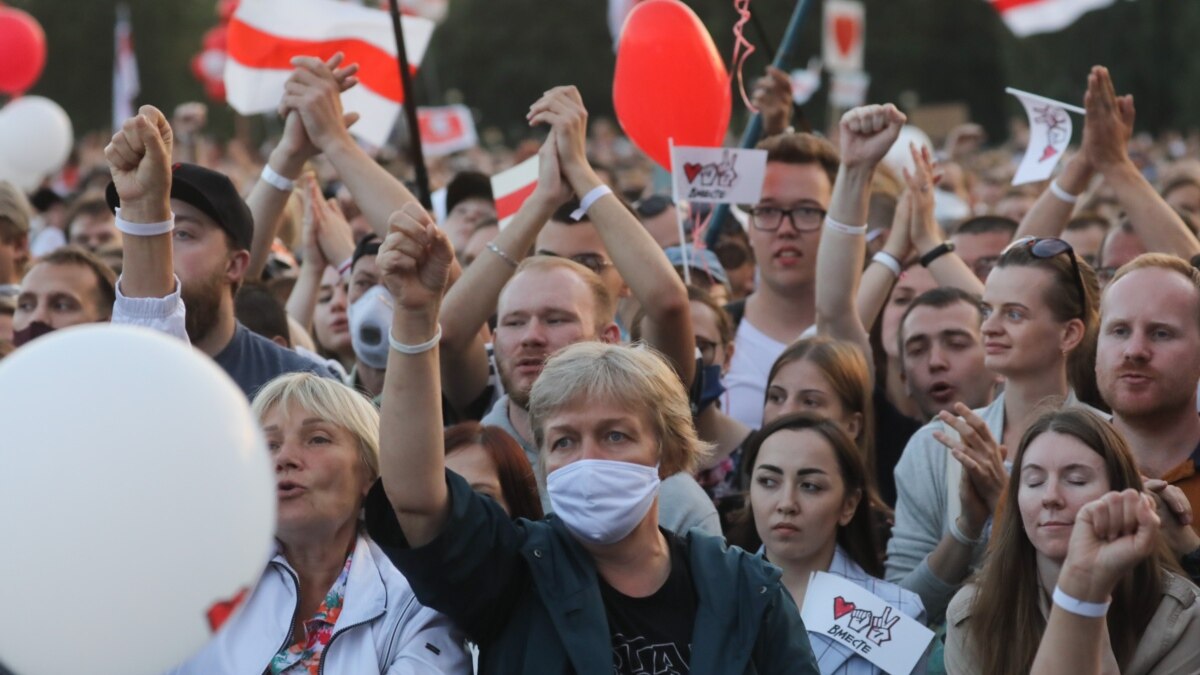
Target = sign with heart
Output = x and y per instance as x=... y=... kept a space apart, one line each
x=717 y=175
x=845 y=30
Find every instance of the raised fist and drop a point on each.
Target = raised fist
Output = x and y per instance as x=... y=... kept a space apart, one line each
x=868 y=132
x=415 y=259
x=139 y=157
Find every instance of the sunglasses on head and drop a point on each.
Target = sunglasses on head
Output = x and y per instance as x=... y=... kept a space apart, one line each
x=1049 y=247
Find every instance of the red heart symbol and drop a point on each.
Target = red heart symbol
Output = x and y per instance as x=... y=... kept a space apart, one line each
x=841 y=607
x=220 y=611
x=845 y=33
x=692 y=170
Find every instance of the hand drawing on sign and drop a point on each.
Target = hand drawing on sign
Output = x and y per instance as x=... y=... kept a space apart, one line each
x=878 y=629
x=1055 y=120
x=726 y=174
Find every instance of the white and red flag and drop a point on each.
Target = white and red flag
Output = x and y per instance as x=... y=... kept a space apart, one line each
x=512 y=187
x=1049 y=134
x=1029 y=17
x=125 y=82
x=446 y=129
x=264 y=35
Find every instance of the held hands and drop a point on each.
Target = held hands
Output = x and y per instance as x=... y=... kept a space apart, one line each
x=867 y=133
x=313 y=92
x=982 y=459
x=552 y=189
x=139 y=157
x=327 y=236
x=415 y=259
x=1111 y=536
x=562 y=109
x=1175 y=514
x=1109 y=122
x=772 y=96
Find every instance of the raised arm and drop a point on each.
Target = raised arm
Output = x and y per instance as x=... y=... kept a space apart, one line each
x=1050 y=213
x=313 y=90
x=866 y=134
x=948 y=269
x=140 y=159
x=1106 y=135
x=472 y=299
x=267 y=200
x=878 y=278
x=642 y=264
x=415 y=263
x=1111 y=536
x=326 y=237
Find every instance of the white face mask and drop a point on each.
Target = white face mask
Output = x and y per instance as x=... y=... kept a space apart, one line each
x=601 y=500
x=370 y=319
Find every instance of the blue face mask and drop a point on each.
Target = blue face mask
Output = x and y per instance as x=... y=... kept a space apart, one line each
x=706 y=388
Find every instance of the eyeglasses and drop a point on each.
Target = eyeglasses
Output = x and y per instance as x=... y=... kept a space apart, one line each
x=803 y=218
x=593 y=261
x=652 y=206
x=1046 y=248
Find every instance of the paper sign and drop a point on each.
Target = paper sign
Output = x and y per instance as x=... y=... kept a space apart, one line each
x=806 y=82
x=446 y=129
x=1049 y=135
x=718 y=175
x=857 y=619
x=512 y=187
x=845 y=30
x=848 y=90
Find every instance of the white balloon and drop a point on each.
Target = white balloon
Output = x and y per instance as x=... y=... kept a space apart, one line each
x=25 y=181
x=898 y=156
x=137 y=494
x=35 y=136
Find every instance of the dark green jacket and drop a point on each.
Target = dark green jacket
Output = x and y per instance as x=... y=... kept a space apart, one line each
x=527 y=593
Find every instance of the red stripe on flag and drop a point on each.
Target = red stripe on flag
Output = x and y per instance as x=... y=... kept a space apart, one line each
x=254 y=48
x=511 y=202
x=1005 y=5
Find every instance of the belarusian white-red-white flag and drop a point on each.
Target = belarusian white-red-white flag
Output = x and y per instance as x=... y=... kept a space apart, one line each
x=1029 y=17
x=512 y=187
x=446 y=129
x=125 y=82
x=264 y=35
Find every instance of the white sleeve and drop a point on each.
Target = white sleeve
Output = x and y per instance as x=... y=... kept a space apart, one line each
x=165 y=315
x=429 y=642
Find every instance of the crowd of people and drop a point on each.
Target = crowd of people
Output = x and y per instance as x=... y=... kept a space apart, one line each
x=535 y=449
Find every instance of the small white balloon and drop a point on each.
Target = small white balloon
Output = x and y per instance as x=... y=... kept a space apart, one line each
x=35 y=136
x=138 y=499
x=898 y=156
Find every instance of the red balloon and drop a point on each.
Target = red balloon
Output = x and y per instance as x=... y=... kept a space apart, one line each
x=670 y=81
x=22 y=51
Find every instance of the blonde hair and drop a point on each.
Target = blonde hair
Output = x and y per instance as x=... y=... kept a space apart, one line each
x=605 y=305
x=1160 y=261
x=329 y=400
x=638 y=378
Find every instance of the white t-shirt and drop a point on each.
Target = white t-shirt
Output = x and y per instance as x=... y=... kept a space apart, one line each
x=754 y=354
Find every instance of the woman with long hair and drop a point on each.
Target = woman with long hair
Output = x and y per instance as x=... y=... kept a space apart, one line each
x=810 y=513
x=494 y=464
x=1067 y=459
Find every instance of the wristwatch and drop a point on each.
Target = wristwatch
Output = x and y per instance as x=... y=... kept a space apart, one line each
x=936 y=252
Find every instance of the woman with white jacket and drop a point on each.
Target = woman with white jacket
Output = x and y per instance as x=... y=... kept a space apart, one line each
x=329 y=600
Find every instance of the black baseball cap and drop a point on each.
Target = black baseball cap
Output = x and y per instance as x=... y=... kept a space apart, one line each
x=213 y=193
x=467 y=185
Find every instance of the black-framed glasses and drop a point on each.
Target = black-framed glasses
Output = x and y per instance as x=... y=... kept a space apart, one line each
x=593 y=261
x=1048 y=247
x=804 y=218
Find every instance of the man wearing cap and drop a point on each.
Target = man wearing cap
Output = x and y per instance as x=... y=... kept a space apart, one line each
x=705 y=271
x=186 y=245
x=469 y=202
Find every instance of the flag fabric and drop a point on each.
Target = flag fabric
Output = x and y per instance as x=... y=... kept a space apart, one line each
x=446 y=129
x=1029 y=17
x=1049 y=135
x=512 y=187
x=125 y=82
x=264 y=35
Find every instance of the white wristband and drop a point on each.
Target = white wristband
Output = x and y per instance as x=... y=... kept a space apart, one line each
x=412 y=350
x=270 y=177
x=831 y=224
x=960 y=536
x=590 y=198
x=1062 y=194
x=889 y=261
x=144 y=229
x=1092 y=610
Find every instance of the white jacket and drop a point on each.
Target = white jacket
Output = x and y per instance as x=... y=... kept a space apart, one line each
x=382 y=628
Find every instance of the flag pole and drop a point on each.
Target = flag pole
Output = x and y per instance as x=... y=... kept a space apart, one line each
x=791 y=39
x=410 y=110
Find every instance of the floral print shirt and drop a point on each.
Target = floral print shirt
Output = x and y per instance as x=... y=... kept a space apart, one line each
x=304 y=657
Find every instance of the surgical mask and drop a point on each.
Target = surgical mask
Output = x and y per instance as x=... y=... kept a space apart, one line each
x=34 y=330
x=370 y=320
x=601 y=500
